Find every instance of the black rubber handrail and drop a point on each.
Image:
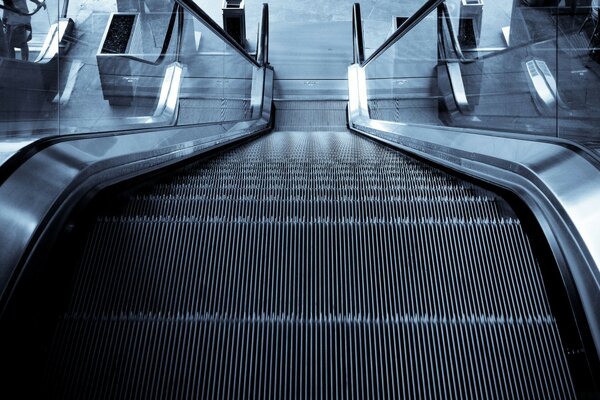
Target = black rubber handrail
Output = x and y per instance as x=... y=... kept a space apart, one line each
x=403 y=29
x=180 y=27
x=262 y=50
x=357 y=35
x=198 y=13
x=65 y=9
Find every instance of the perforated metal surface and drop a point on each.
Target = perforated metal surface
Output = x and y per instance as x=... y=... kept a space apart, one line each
x=314 y=264
x=310 y=115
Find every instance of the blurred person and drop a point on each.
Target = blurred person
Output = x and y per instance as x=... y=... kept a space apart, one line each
x=18 y=26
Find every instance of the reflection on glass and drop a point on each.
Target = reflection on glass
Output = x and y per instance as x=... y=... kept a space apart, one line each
x=27 y=87
x=401 y=83
x=80 y=66
x=524 y=66
x=505 y=87
x=114 y=69
x=218 y=81
x=578 y=76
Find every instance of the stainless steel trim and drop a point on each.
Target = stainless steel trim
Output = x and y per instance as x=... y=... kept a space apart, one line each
x=550 y=81
x=543 y=96
x=458 y=87
x=542 y=86
x=559 y=184
x=257 y=93
x=357 y=87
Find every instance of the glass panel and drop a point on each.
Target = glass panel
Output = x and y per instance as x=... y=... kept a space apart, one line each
x=112 y=74
x=117 y=74
x=104 y=66
x=218 y=80
x=579 y=74
x=495 y=68
x=27 y=87
x=525 y=66
x=501 y=86
x=401 y=83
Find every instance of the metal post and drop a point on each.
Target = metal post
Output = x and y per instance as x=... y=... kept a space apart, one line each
x=471 y=16
x=234 y=20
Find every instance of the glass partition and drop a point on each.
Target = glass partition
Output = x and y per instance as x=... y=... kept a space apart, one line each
x=523 y=66
x=116 y=65
x=578 y=75
x=401 y=83
x=113 y=69
x=27 y=88
x=504 y=85
x=218 y=80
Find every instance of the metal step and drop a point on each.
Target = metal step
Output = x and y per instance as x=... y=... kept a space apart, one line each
x=293 y=115
x=308 y=264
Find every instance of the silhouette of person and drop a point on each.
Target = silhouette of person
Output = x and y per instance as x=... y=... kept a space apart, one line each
x=3 y=42
x=18 y=26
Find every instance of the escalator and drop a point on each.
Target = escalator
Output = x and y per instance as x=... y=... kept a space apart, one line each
x=310 y=261
x=303 y=263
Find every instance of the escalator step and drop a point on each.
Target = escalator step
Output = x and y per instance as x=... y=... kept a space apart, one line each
x=308 y=264
x=310 y=115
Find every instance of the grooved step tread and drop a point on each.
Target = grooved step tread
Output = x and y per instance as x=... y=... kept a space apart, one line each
x=308 y=264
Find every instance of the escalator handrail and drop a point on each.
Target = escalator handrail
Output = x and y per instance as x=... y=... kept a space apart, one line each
x=65 y=9
x=403 y=29
x=262 y=49
x=357 y=35
x=24 y=14
x=199 y=14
